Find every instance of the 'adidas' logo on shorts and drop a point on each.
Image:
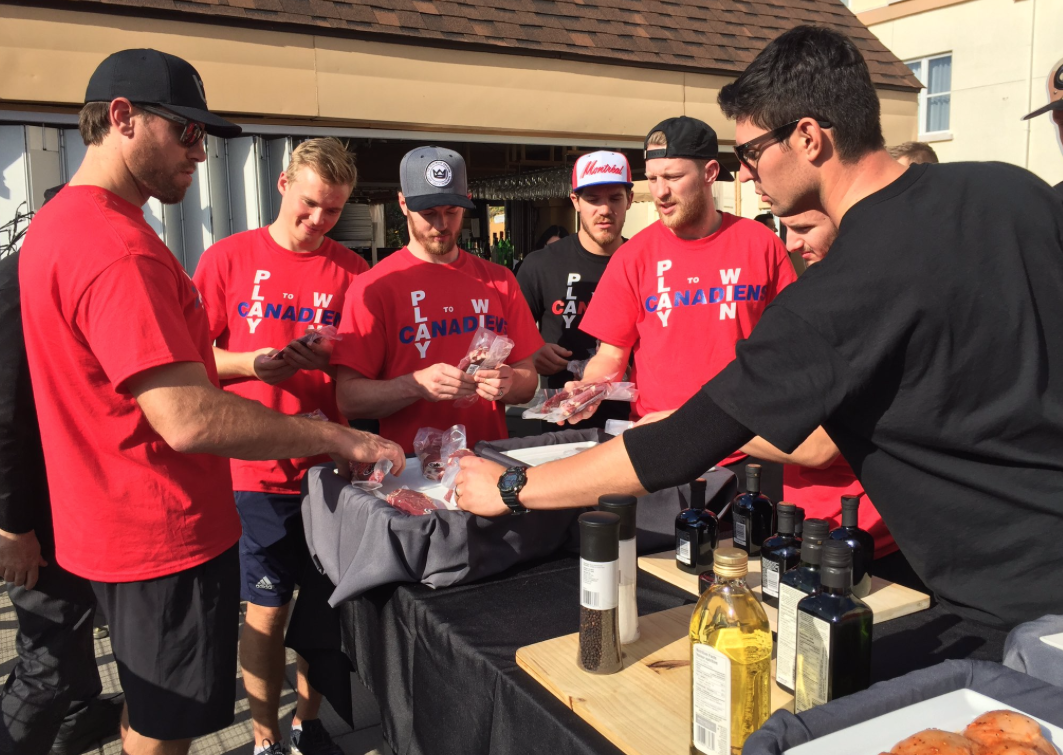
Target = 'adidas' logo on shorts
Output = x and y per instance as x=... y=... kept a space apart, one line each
x=264 y=584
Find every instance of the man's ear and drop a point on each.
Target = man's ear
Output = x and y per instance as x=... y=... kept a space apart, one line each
x=575 y=200
x=121 y=115
x=712 y=172
x=282 y=182
x=630 y=197
x=402 y=205
x=811 y=140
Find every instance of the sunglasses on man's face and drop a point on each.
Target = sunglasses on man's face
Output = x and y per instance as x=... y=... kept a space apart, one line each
x=749 y=153
x=191 y=131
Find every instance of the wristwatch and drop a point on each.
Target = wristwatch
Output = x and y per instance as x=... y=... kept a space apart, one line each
x=510 y=484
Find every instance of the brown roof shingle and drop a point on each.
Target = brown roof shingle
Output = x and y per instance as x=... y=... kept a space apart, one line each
x=720 y=36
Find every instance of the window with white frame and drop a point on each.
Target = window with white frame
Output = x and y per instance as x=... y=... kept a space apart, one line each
x=935 y=100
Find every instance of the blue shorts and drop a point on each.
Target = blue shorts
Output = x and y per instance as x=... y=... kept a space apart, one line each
x=273 y=549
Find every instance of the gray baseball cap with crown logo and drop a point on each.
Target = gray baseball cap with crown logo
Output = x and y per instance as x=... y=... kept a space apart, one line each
x=434 y=177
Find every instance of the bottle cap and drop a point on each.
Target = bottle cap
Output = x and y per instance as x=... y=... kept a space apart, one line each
x=599 y=536
x=785 y=514
x=850 y=502
x=730 y=563
x=624 y=506
x=752 y=470
x=838 y=554
x=816 y=531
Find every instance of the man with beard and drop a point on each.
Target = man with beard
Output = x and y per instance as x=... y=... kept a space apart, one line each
x=927 y=350
x=262 y=289
x=136 y=431
x=559 y=280
x=408 y=322
x=681 y=293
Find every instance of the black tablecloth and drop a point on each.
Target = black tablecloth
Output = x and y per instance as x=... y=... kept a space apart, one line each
x=442 y=662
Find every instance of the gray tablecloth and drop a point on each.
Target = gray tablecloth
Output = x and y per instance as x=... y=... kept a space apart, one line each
x=1024 y=651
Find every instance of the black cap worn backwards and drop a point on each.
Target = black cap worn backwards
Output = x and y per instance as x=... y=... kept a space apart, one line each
x=687 y=137
x=150 y=77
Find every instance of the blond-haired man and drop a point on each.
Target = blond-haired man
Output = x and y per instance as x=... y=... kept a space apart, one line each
x=263 y=289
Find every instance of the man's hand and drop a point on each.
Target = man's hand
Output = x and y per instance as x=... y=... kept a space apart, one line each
x=492 y=385
x=586 y=413
x=551 y=359
x=20 y=558
x=443 y=382
x=368 y=448
x=476 y=487
x=314 y=357
x=273 y=371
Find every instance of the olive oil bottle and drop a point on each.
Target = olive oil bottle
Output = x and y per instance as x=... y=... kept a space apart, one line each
x=730 y=659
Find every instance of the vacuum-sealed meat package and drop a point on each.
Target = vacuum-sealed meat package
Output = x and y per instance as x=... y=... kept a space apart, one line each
x=370 y=476
x=411 y=502
x=427 y=445
x=556 y=405
x=325 y=334
x=488 y=351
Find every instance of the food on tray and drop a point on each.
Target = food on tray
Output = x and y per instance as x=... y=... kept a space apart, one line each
x=370 y=476
x=999 y=732
x=411 y=502
x=427 y=444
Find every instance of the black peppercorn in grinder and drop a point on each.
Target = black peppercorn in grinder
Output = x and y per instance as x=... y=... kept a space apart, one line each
x=599 y=621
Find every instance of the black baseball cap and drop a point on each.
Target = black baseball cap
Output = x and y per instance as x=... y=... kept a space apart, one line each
x=690 y=138
x=434 y=177
x=150 y=77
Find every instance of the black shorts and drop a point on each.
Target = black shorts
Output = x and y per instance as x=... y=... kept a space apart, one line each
x=273 y=550
x=174 y=640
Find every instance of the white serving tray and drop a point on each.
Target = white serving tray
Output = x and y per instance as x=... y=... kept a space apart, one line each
x=950 y=712
x=542 y=454
x=1054 y=640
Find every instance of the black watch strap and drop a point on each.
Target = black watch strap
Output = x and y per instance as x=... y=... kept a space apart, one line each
x=510 y=484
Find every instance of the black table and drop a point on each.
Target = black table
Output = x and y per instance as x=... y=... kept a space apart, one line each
x=442 y=662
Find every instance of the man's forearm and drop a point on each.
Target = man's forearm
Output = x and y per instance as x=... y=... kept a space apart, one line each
x=579 y=480
x=234 y=364
x=817 y=451
x=363 y=398
x=525 y=383
x=604 y=367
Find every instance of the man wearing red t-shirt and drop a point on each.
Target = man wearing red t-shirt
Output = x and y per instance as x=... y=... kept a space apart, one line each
x=263 y=289
x=681 y=293
x=815 y=475
x=134 y=426
x=410 y=320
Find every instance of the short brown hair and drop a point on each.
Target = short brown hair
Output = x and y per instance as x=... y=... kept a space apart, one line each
x=327 y=157
x=916 y=152
x=94 y=122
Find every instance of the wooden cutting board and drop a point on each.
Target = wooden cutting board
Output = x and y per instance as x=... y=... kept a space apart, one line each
x=886 y=601
x=643 y=709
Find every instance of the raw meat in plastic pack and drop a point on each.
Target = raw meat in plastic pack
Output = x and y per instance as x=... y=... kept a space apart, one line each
x=368 y=476
x=427 y=444
x=411 y=502
x=557 y=405
x=488 y=351
x=328 y=333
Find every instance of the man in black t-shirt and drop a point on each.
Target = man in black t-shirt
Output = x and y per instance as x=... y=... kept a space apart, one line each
x=559 y=280
x=927 y=344
x=1055 y=106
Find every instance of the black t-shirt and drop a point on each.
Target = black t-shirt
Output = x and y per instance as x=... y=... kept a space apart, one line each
x=929 y=344
x=1059 y=188
x=558 y=281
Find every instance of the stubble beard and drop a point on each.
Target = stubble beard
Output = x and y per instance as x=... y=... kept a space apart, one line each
x=602 y=238
x=433 y=245
x=690 y=212
x=147 y=168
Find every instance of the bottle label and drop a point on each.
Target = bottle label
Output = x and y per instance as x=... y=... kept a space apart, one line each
x=683 y=552
x=599 y=584
x=786 y=658
x=813 y=662
x=769 y=577
x=741 y=531
x=711 y=671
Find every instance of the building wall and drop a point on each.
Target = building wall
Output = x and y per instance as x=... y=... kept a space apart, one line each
x=47 y=56
x=1001 y=53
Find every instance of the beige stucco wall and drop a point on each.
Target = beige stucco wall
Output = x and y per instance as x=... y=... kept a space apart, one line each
x=1001 y=53
x=48 y=55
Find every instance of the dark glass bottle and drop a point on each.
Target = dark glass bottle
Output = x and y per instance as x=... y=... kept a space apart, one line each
x=799 y=522
x=833 y=635
x=861 y=542
x=780 y=554
x=697 y=533
x=794 y=586
x=753 y=513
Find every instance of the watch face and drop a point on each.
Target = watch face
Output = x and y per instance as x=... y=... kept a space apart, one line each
x=510 y=480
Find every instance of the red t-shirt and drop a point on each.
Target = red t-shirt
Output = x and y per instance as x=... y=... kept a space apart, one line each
x=682 y=305
x=260 y=294
x=405 y=315
x=819 y=492
x=103 y=299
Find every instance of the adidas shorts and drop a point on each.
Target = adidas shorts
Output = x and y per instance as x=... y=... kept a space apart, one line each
x=273 y=548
